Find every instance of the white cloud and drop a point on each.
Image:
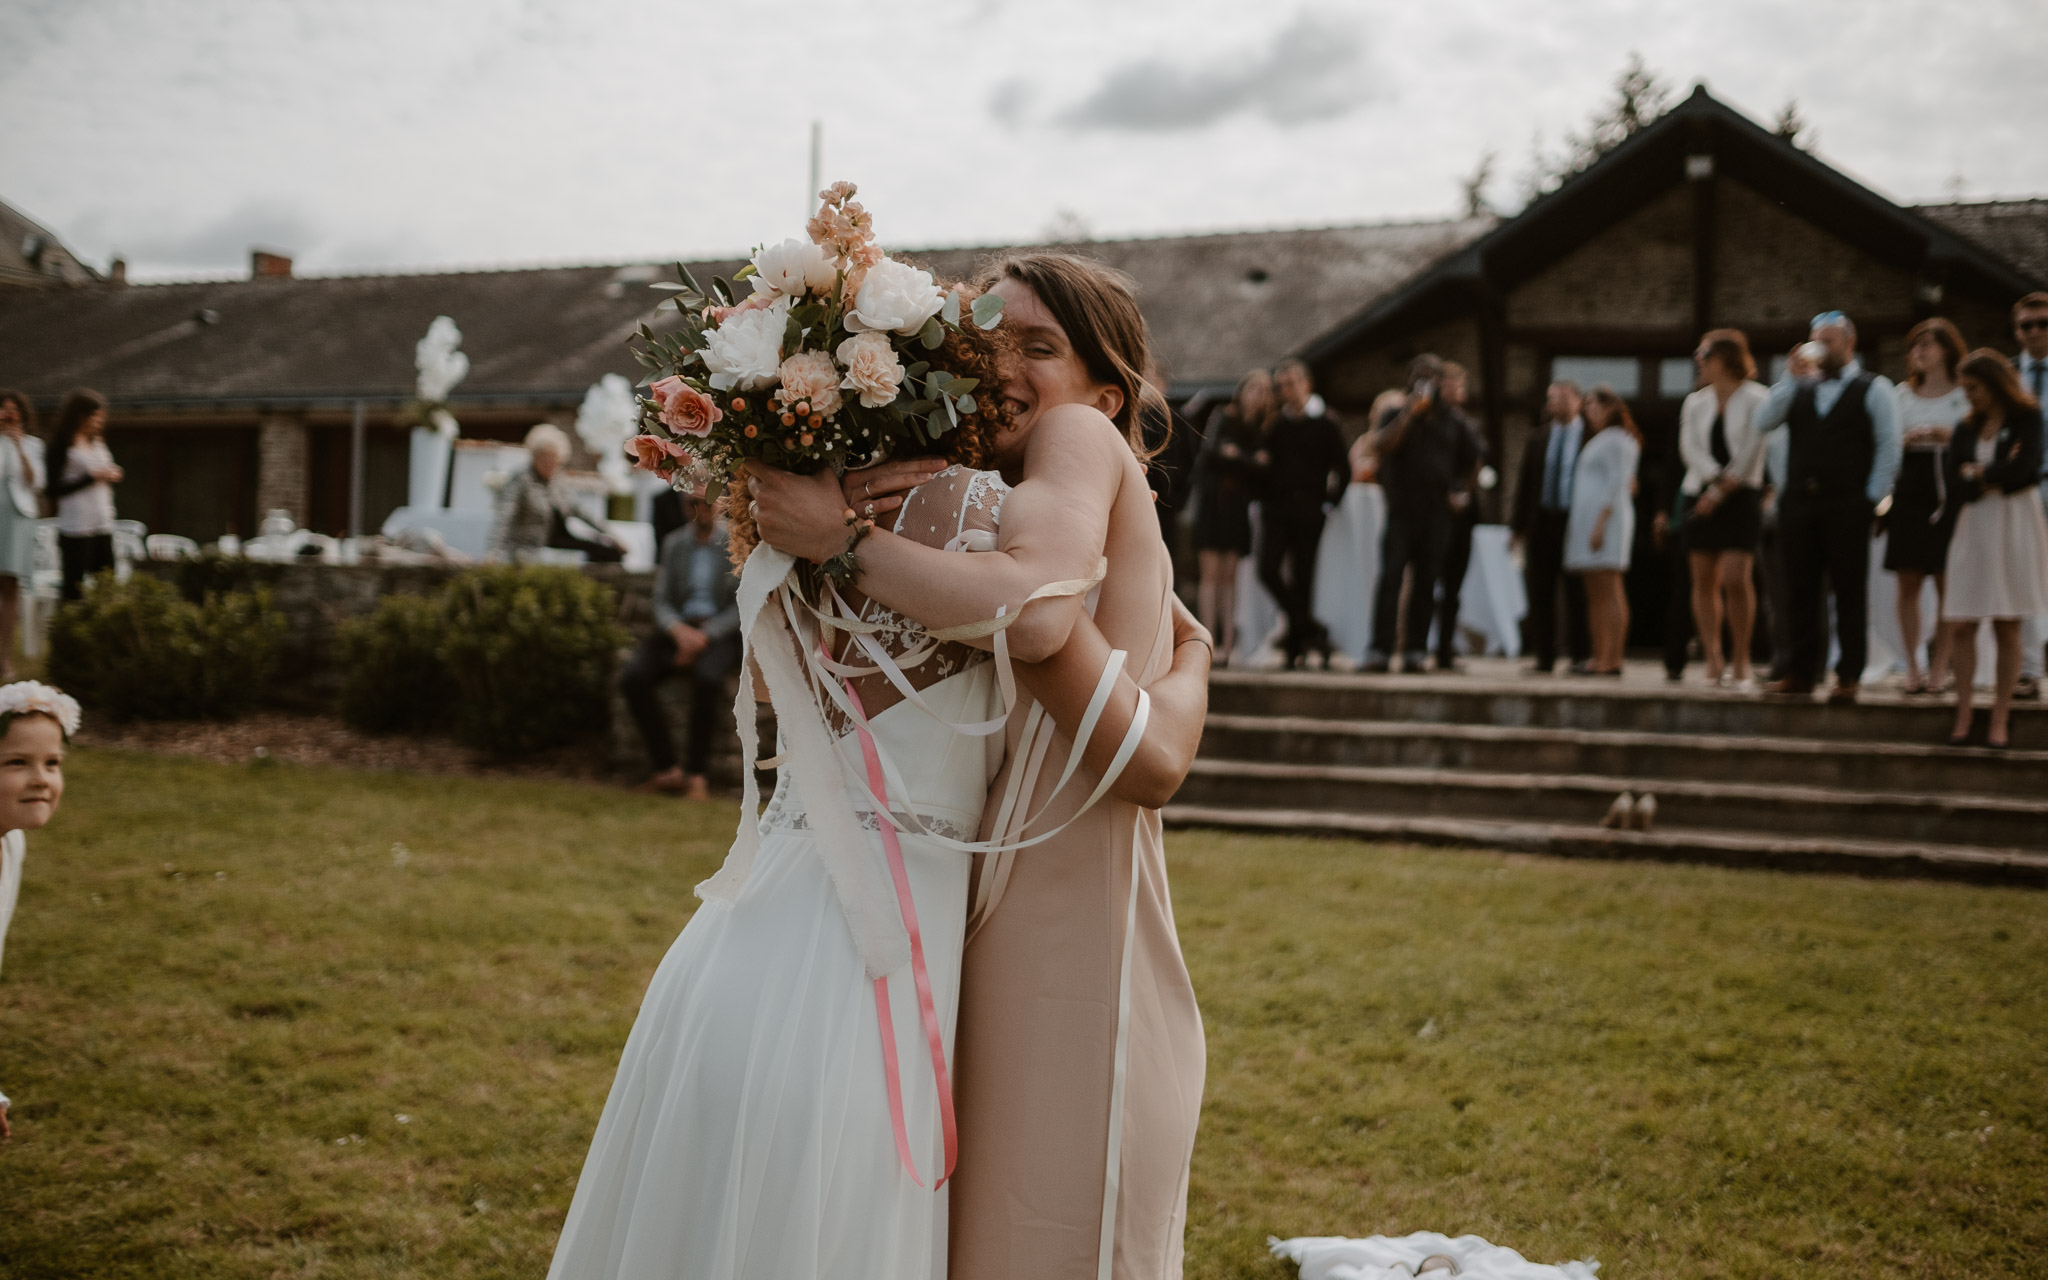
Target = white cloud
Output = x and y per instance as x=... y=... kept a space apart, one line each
x=391 y=133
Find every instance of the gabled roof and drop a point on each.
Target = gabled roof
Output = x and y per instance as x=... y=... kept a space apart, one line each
x=2015 y=230
x=31 y=255
x=1651 y=162
x=1217 y=304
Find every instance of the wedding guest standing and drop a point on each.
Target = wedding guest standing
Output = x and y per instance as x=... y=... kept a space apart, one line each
x=82 y=476
x=1306 y=470
x=1223 y=497
x=1998 y=557
x=1543 y=502
x=21 y=474
x=696 y=633
x=1425 y=454
x=1724 y=506
x=1921 y=518
x=1600 y=529
x=1464 y=519
x=2030 y=327
x=1841 y=429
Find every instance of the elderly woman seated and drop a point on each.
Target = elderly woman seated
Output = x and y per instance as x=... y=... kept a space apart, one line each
x=534 y=509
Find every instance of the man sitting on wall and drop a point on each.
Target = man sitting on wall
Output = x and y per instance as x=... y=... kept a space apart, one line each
x=696 y=630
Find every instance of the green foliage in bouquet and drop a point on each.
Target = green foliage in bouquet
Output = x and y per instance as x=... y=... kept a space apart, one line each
x=140 y=650
x=392 y=676
x=529 y=653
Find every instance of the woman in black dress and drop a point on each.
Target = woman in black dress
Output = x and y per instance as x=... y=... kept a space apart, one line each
x=1223 y=494
x=1921 y=520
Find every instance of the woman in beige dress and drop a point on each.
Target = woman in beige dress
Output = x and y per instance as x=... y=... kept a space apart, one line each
x=1080 y=1053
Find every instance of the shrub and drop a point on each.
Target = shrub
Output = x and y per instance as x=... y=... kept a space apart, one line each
x=140 y=650
x=392 y=675
x=529 y=653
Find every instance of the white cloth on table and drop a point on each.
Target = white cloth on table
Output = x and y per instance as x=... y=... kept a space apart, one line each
x=1395 y=1258
x=1347 y=573
x=1348 y=568
x=1606 y=465
x=13 y=851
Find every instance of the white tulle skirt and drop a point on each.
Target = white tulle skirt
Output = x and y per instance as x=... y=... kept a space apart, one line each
x=747 y=1133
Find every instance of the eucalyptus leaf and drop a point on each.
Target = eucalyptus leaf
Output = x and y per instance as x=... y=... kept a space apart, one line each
x=937 y=424
x=932 y=334
x=961 y=386
x=988 y=310
x=951 y=311
x=916 y=371
x=968 y=405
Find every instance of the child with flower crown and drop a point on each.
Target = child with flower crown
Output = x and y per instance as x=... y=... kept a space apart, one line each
x=35 y=723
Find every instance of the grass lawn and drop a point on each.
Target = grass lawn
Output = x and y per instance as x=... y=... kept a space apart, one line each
x=271 y=1021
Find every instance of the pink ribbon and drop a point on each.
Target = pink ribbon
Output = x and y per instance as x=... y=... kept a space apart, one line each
x=927 y=1007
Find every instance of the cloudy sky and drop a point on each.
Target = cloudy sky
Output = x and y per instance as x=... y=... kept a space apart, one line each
x=382 y=134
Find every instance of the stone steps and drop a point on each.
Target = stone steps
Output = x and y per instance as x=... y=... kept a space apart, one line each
x=1768 y=807
x=1817 y=762
x=1854 y=857
x=1564 y=702
x=1531 y=764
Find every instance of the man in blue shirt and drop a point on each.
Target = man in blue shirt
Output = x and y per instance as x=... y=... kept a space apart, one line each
x=1543 y=503
x=1840 y=425
x=696 y=630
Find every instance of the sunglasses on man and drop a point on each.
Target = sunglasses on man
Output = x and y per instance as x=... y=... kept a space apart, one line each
x=2028 y=326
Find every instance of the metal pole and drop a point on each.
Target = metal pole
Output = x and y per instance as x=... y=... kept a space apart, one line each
x=817 y=167
x=356 y=433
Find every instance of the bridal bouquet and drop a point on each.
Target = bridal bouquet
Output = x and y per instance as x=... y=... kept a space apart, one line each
x=828 y=363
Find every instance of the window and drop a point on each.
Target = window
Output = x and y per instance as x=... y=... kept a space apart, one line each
x=1623 y=373
x=1675 y=377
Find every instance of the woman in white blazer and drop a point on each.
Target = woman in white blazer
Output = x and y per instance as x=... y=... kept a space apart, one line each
x=1723 y=507
x=21 y=506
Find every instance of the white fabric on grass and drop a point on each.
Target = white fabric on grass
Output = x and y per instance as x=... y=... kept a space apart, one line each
x=1396 y=1257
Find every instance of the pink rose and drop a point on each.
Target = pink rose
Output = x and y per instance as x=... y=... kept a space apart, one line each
x=758 y=302
x=684 y=409
x=652 y=453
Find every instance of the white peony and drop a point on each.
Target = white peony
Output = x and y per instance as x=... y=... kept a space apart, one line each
x=789 y=268
x=872 y=368
x=895 y=296
x=745 y=350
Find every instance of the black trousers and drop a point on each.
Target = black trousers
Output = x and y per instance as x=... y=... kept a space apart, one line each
x=1413 y=540
x=1543 y=573
x=83 y=555
x=655 y=661
x=1287 y=567
x=1457 y=559
x=1826 y=545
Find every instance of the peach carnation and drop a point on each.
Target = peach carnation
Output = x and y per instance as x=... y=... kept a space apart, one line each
x=872 y=368
x=811 y=375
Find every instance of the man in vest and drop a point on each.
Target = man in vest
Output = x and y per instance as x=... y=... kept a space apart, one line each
x=1841 y=430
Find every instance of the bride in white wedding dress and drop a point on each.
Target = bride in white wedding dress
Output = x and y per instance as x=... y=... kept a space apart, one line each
x=747 y=1132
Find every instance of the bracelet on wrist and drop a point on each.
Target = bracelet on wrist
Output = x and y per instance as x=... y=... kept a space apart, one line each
x=845 y=567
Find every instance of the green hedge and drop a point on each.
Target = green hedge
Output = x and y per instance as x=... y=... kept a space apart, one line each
x=140 y=650
x=516 y=659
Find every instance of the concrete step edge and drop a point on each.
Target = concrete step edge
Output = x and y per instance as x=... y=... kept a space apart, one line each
x=1598 y=784
x=1612 y=737
x=2004 y=866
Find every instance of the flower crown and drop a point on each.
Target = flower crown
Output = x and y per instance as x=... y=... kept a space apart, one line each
x=822 y=366
x=32 y=697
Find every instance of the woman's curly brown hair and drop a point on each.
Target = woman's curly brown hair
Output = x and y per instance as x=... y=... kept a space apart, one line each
x=967 y=352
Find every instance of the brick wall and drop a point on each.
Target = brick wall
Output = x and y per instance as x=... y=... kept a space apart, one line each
x=281 y=468
x=1637 y=273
